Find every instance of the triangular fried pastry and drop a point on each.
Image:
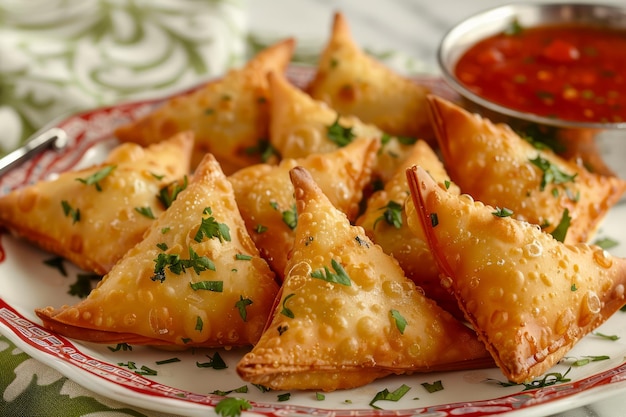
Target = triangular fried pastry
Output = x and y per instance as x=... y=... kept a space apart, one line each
x=355 y=83
x=94 y=215
x=301 y=125
x=495 y=165
x=229 y=116
x=385 y=222
x=529 y=297
x=346 y=313
x=266 y=201
x=195 y=280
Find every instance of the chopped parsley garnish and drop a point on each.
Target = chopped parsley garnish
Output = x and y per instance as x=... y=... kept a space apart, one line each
x=58 y=263
x=399 y=320
x=573 y=287
x=241 y=306
x=514 y=28
x=392 y=215
x=434 y=387
x=284 y=397
x=502 y=212
x=145 y=211
x=606 y=243
x=199 y=324
x=177 y=266
x=339 y=276
x=551 y=173
x=282 y=329
x=434 y=219
x=146 y=371
x=70 y=212
x=542 y=138
x=340 y=135
x=210 y=228
x=606 y=336
x=215 y=286
x=319 y=396
x=560 y=231
x=232 y=406
x=407 y=140
x=262 y=388
x=585 y=360
x=263 y=148
x=121 y=346
x=547 y=380
x=95 y=178
x=168 y=194
x=290 y=217
x=241 y=390
x=166 y=361
x=386 y=395
x=260 y=228
x=130 y=365
x=215 y=362
x=157 y=176
x=243 y=257
x=286 y=311
x=82 y=287
x=163 y=246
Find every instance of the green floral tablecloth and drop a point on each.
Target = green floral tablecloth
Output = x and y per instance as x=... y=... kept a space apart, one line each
x=30 y=388
x=62 y=56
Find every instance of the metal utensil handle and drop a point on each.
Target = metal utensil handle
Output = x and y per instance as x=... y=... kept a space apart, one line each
x=54 y=137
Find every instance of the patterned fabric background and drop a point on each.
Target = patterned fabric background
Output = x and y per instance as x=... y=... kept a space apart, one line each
x=62 y=56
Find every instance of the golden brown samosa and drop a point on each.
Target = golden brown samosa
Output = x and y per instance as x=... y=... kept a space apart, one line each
x=346 y=313
x=228 y=116
x=94 y=215
x=267 y=204
x=495 y=165
x=196 y=279
x=385 y=221
x=301 y=125
x=529 y=297
x=355 y=83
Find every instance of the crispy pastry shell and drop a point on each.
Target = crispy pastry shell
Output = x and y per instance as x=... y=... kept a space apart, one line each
x=325 y=334
x=138 y=302
x=228 y=116
x=530 y=297
x=299 y=126
x=354 y=83
x=406 y=241
x=106 y=222
x=265 y=195
x=494 y=164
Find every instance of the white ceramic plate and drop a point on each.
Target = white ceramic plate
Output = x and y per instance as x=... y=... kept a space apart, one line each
x=182 y=387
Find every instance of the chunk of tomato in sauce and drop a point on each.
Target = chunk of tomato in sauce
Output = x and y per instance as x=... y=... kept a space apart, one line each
x=571 y=71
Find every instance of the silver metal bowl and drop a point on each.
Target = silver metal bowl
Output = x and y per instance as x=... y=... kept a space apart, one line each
x=490 y=22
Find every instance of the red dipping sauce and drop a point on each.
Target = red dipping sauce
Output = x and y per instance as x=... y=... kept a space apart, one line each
x=571 y=72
